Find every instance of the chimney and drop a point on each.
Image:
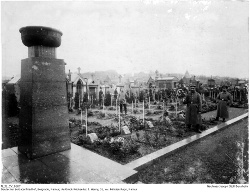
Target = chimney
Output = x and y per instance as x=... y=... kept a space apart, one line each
x=120 y=77
x=156 y=75
x=79 y=69
x=69 y=75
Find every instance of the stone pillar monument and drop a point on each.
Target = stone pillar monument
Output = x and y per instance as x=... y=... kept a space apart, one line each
x=43 y=119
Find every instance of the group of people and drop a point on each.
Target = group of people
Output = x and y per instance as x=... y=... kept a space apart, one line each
x=193 y=101
x=121 y=97
x=194 y=105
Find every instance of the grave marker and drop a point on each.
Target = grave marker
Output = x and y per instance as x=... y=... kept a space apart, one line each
x=150 y=124
x=92 y=137
x=125 y=130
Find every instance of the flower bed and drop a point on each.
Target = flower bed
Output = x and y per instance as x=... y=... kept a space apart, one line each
x=240 y=105
x=208 y=106
x=144 y=138
x=102 y=115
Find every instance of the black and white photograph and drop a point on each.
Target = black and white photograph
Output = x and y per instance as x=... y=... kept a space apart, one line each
x=113 y=95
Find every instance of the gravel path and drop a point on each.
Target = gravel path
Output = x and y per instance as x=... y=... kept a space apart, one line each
x=221 y=158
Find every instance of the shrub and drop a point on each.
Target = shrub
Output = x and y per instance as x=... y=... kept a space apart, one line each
x=130 y=147
x=135 y=111
x=90 y=113
x=101 y=115
x=159 y=107
x=76 y=100
x=83 y=139
x=149 y=112
x=111 y=108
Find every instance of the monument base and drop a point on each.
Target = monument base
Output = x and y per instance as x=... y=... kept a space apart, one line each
x=43 y=119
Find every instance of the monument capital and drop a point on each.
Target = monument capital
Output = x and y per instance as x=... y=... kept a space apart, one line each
x=40 y=36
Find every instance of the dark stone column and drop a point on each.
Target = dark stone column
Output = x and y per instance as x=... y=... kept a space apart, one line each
x=43 y=119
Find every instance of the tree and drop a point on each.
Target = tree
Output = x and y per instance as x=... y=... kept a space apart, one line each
x=151 y=94
x=141 y=96
x=76 y=99
x=68 y=99
x=85 y=98
x=13 y=109
x=127 y=97
x=107 y=100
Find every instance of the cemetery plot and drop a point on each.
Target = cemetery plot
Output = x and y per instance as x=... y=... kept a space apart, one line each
x=136 y=137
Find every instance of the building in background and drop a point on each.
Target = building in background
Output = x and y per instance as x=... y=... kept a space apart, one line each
x=13 y=86
x=186 y=79
x=211 y=82
x=167 y=82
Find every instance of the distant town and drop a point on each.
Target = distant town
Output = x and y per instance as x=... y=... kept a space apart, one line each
x=108 y=81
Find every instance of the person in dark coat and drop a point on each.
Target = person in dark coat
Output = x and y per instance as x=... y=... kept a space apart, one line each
x=224 y=99
x=115 y=93
x=100 y=97
x=193 y=111
x=122 y=100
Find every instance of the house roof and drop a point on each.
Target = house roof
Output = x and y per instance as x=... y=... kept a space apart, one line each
x=5 y=81
x=76 y=76
x=211 y=79
x=167 y=79
x=150 y=79
x=120 y=85
x=187 y=75
x=15 y=79
x=241 y=81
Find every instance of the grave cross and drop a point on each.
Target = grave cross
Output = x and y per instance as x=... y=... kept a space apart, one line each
x=69 y=75
x=120 y=78
x=79 y=69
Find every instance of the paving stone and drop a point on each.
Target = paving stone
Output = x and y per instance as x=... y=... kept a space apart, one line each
x=87 y=178
x=73 y=154
x=7 y=177
x=34 y=172
x=65 y=167
x=15 y=149
x=14 y=160
x=57 y=157
x=7 y=153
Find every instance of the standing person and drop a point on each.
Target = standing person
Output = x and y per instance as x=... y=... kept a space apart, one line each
x=100 y=97
x=122 y=101
x=115 y=93
x=193 y=111
x=224 y=98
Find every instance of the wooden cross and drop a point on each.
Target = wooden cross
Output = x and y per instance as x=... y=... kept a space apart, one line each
x=79 y=69
x=70 y=72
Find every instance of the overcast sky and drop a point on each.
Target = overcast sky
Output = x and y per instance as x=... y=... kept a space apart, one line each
x=203 y=37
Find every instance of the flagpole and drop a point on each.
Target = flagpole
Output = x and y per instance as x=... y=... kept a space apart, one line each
x=143 y=111
x=86 y=121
